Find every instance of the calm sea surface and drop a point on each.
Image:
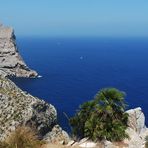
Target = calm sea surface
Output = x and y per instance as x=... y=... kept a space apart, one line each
x=74 y=69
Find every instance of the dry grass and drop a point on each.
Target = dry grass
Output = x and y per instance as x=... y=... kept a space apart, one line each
x=23 y=137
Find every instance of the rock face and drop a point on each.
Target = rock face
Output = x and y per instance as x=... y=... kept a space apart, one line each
x=57 y=135
x=11 y=63
x=19 y=108
x=137 y=130
x=136 y=120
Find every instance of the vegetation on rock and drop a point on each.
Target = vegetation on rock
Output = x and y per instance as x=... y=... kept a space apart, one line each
x=103 y=117
x=23 y=137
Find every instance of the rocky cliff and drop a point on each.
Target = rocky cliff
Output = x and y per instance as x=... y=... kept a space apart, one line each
x=20 y=108
x=11 y=63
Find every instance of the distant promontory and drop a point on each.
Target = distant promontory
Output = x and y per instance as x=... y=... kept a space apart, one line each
x=11 y=63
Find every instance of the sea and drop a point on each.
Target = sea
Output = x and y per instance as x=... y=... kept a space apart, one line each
x=73 y=70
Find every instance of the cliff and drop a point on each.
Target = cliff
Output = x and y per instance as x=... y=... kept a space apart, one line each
x=11 y=63
x=20 y=108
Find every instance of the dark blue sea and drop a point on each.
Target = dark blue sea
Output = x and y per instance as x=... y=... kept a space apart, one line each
x=74 y=69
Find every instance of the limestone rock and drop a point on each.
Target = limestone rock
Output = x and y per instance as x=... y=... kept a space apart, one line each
x=108 y=144
x=20 y=108
x=88 y=145
x=70 y=143
x=57 y=136
x=134 y=141
x=11 y=63
x=136 y=120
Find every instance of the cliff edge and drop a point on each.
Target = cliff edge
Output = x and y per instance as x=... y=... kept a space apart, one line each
x=18 y=108
x=11 y=63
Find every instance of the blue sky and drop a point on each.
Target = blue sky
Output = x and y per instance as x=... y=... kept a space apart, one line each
x=76 y=17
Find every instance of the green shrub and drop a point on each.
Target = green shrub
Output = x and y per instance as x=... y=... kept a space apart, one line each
x=23 y=137
x=103 y=117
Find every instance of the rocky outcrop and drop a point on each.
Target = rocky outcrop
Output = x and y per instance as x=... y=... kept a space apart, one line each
x=137 y=130
x=136 y=120
x=11 y=63
x=57 y=135
x=20 y=108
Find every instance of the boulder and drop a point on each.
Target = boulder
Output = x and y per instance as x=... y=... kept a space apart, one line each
x=88 y=144
x=136 y=120
x=57 y=136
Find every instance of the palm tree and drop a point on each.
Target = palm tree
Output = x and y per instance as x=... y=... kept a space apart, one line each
x=103 y=117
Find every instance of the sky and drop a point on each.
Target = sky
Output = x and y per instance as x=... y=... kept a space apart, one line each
x=56 y=18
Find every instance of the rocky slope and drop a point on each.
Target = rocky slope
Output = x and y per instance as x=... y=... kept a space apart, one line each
x=11 y=63
x=20 y=108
